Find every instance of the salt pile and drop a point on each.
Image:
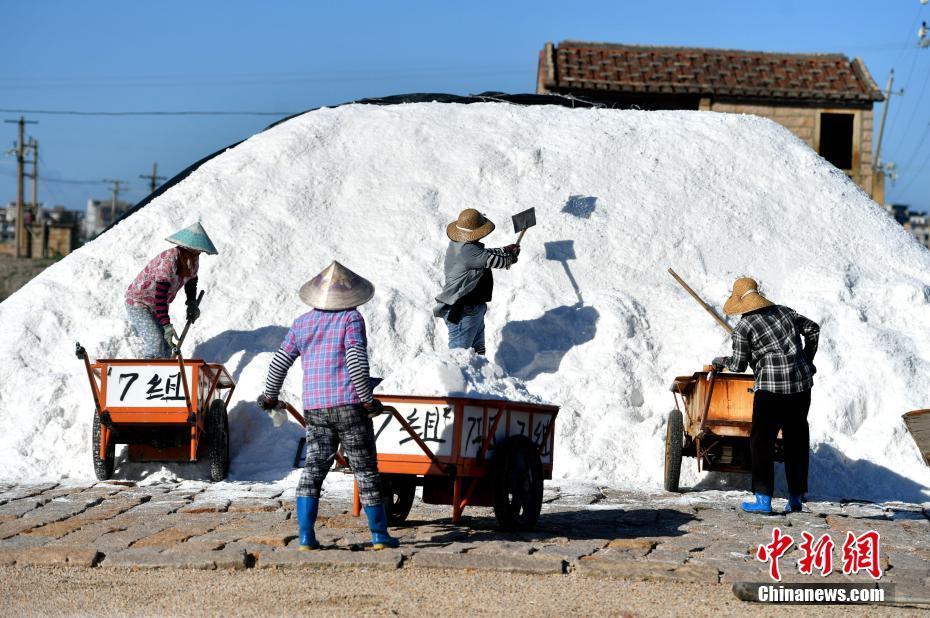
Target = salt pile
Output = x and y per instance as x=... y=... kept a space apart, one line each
x=588 y=318
x=457 y=373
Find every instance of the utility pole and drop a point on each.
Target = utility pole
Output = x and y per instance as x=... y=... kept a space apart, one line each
x=33 y=145
x=34 y=176
x=876 y=164
x=20 y=188
x=153 y=178
x=115 y=197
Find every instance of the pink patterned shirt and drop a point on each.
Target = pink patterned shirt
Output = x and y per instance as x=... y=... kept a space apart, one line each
x=163 y=267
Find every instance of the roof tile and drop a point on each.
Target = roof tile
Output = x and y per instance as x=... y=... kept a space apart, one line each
x=676 y=70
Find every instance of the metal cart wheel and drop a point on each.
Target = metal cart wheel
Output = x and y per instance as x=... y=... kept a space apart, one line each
x=517 y=480
x=103 y=468
x=218 y=440
x=398 y=491
x=674 y=441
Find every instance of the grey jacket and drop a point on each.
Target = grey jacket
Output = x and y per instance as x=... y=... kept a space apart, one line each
x=465 y=264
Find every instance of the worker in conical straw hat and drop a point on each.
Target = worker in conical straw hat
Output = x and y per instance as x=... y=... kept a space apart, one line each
x=463 y=301
x=337 y=395
x=779 y=344
x=154 y=288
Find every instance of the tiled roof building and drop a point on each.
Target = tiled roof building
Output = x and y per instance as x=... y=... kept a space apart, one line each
x=825 y=99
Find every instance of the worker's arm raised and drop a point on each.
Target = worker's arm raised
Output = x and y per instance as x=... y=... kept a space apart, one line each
x=479 y=257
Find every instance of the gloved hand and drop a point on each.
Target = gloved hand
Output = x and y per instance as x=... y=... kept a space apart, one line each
x=171 y=336
x=193 y=311
x=268 y=403
x=513 y=250
x=374 y=408
x=719 y=363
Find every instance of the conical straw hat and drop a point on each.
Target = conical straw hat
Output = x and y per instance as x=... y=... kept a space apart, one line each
x=745 y=298
x=336 y=288
x=470 y=226
x=194 y=238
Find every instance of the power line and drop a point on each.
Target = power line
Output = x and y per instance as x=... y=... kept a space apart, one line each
x=58 y=180
x=63 y=112
x=919 y=174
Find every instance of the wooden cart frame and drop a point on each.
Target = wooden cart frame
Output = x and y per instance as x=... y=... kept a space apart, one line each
x=200 y=412
x=712 y=422
x=480 y=466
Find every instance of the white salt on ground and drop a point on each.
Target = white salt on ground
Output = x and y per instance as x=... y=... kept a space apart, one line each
x=587 y=319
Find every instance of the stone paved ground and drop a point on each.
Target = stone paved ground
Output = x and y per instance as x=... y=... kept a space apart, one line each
x=584 y=531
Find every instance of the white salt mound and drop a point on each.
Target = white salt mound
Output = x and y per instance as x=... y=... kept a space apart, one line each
x=459 y=373
x=588 y=318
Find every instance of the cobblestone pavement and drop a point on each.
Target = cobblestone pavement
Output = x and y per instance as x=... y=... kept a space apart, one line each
x=584 y=530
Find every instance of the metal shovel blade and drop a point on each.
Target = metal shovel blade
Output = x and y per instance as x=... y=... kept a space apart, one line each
x=524 y=220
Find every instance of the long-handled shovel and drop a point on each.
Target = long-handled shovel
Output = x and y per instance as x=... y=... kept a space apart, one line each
x=723 y=323
x=177 y=348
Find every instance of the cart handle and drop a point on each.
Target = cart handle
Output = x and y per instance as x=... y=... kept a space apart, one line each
x=187 y=393
x=303 y=423
x=711 y=378
x=82 y=354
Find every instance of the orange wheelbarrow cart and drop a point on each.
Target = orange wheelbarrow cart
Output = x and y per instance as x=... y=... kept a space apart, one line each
x=463 y=452
x=715 y=425
x=163 y=409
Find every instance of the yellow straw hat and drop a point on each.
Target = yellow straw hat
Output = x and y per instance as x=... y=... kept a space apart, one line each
x=470 y=226
x=337 y=288
x=745 y=298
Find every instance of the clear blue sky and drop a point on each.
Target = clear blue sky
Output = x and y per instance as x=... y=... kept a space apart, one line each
x=291 y=56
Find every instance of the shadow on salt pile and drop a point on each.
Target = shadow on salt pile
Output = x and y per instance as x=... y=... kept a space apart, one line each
x=258 y=450
x=531 y=347
x=221 y=348
x=832 y=476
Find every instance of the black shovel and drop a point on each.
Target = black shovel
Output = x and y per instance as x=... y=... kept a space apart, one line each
x=523 y=221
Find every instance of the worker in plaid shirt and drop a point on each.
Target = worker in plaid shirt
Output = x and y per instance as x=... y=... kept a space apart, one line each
x=769 y=338
x=337 y=398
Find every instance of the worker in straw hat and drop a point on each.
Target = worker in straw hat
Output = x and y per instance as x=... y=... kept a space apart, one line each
x=337 y=398
x=769 y=338
x=463 y=301
x=154 y=288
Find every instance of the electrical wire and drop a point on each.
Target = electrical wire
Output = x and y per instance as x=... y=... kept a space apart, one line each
x=68 y=112
x=919 y=174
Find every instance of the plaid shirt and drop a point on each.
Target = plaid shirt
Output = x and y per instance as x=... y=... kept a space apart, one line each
x=321 y=339
x=769 y=340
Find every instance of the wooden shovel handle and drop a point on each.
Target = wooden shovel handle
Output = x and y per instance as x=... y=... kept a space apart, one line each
x=520 y=237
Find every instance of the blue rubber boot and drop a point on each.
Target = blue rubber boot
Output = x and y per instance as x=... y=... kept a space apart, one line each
x=377 y=523
x=763 y=504
x=794 y=504
x=307 y=507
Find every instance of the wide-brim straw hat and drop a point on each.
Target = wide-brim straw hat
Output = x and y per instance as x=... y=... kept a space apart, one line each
x=745 y=297
x=336 y=288
x=470 y=226
x=194 y=238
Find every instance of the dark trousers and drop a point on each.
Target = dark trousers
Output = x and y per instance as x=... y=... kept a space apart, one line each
x=326 y=429
x=772 y=412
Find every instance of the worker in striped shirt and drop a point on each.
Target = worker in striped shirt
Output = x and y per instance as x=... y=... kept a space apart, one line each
x=463 y=301
x=157 y=285
x=337 y=397
x=779 y=344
